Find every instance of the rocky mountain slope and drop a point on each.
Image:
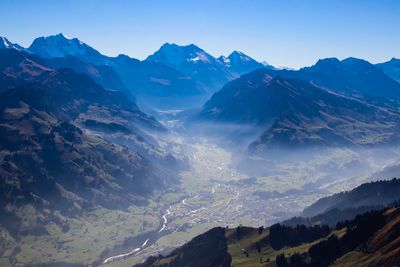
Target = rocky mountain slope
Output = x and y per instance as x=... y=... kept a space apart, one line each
x=17 y=68
x=102 y=74
x=297 y=112
x=391 y=68
x=378 y=193
x=58 y=153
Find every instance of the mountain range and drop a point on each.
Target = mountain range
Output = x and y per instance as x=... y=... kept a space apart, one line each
x=174 y=76
x=210 y=72
x=60 y=87
x=63 y=145
x=348 y=102
x=74 y=137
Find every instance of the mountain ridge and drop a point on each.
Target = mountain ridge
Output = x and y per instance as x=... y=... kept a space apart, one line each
x=5 y=43
x=311 y=106
x=58 y=154
x=391 y=68
x=159 y=82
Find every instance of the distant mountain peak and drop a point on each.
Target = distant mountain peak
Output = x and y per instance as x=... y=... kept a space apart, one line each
x=62 y=35
x=351 y=64
x=239 y=63
x=123 y=56
x=175 y=55
x=60 y=46
x=5 y=43
x=393 y=59
x=332 y=61
x=239 y=56
x=168 y=44
x=326 y=61
x=224 y=60
x=181 y=47
x=59 y=37
x=211 y=73
x=391 y=68
x=236 y=53
x=354 y=60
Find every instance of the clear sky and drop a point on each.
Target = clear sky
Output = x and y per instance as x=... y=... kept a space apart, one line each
x=282 y=32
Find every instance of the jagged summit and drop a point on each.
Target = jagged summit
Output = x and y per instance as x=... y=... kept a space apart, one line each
x=5 y=43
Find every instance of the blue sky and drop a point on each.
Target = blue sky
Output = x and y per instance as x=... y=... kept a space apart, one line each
x=284 y=33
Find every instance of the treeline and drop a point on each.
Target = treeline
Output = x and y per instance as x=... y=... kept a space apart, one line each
x=325 y=252
x=377 y=193
x=282 y=235
x=331 y=217
x=206 y=250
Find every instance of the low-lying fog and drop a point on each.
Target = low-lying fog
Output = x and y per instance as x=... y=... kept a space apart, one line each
x=226 y=185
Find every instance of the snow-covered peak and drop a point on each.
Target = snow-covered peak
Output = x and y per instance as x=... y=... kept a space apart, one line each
x=175 y=55
x=199 y=56
x=239 y=63
x=238 y=56
x=60 y=46
x=225 y=61
x=5 y=43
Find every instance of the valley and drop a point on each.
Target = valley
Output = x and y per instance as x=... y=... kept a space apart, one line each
x=116 y=161
x=215 y=192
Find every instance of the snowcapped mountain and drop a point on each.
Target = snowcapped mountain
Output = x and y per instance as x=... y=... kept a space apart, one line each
x=5 y=43
x=177 y=56
x=212 y=73
x=151 y=82
x=169 y=74
x=239 y=63
x=61 y=46
x=194 y=62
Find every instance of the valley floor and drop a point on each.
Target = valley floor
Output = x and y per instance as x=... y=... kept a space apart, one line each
x=215 y=193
